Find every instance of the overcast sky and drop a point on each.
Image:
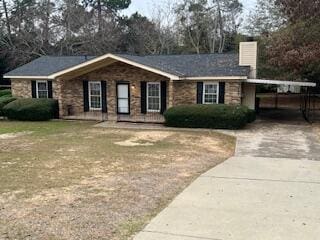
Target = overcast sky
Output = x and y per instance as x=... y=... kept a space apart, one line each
x=145 y=6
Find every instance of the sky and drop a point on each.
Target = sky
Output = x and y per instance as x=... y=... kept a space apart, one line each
x=145 y=7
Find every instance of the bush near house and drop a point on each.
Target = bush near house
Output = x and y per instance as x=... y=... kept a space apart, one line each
x=5 y=92
x=209 y=116
x=251 y=115
x=4 y=101
x=31 y=109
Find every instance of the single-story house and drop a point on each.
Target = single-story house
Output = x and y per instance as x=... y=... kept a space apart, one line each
x=119 y=87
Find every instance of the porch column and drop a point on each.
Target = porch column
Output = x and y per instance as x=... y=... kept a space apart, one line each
x=170 y=94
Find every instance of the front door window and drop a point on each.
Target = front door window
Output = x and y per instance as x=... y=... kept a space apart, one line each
x=123 y=98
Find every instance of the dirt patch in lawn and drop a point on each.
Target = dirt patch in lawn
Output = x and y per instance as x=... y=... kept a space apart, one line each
x=145 y=138
x=86 y=183
x=6 y=136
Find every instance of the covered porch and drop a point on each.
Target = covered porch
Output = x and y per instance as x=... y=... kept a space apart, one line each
x=102 y=117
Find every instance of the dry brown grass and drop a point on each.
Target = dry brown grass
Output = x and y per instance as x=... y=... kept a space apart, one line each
x=63 y=180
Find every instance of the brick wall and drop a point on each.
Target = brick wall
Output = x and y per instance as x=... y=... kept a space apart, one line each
x=233 y=93
x=21 y=88
x=70 y=92
x=185 y=92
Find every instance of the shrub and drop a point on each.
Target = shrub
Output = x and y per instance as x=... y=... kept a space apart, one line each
x=31 y=109
x=5 y=92
x=4 y=101
x=207 y=116
x=251 y=115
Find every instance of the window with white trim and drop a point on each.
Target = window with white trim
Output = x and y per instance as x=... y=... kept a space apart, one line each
x=210 y=93
x=42 y=89
x=95 y=96
x=153 y=97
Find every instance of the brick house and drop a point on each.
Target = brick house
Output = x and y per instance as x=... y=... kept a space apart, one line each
x=120 y=87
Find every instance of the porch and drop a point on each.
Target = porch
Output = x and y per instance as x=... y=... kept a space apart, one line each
x=102 y=117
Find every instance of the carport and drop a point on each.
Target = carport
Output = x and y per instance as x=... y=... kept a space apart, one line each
x=307 y=97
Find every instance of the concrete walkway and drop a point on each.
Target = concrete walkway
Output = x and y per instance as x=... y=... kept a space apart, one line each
x=269 y=191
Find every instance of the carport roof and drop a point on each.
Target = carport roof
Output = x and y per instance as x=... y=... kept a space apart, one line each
x=280 y=82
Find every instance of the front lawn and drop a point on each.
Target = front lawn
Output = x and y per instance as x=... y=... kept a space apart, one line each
x=70 y=180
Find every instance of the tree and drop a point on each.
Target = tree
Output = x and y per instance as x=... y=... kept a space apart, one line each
x=167 y=36
x=109 y=6
x=74 y=26
x=302 y=10
x=139 y=35
x=265 y=19
x=191 y=15
x=296 y=47
x=206 y=25
x=7 y=20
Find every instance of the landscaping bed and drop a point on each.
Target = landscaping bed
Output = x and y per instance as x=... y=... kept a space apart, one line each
x=70 y=180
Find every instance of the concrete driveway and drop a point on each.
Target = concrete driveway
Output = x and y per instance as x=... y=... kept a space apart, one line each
x=269 y=190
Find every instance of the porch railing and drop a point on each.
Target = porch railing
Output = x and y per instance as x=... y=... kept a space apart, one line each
x=150 y=118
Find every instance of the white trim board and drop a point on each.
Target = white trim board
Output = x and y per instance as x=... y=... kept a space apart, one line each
x=279 y=82
x=215 y=78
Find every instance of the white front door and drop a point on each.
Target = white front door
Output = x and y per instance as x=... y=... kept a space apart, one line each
x=123 y=98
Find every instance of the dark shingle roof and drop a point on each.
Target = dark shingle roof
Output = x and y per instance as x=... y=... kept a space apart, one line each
x=47 y=65
x=203 y=65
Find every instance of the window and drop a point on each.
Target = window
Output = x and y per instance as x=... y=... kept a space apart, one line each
x=95 y=95
x=123 y=98
x=153 y=97
x=210 y=93
x=42 y=89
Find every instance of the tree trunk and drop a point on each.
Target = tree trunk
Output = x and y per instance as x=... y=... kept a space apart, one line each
x=68 y=20
x=46 y=25
x=99 y=16
x=7 y=20
x=195 y=43
x=221 y=44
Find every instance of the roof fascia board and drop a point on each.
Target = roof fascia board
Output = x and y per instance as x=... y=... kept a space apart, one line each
x=216 y=78
x=26 y=77
x=106 y=56
x=280 y=82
